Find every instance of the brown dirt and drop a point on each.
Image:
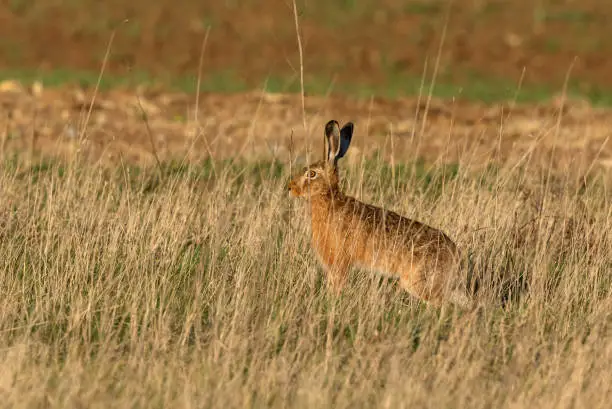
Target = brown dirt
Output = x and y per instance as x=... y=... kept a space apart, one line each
x=256 y=40
x=261 y=126
x=363 y=43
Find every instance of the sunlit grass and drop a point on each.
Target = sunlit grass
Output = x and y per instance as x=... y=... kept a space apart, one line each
x=196 y=286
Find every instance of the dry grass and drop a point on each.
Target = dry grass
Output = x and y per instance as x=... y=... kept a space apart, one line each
x=119 y=290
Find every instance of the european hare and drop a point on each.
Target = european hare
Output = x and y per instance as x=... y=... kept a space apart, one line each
x=347 y=233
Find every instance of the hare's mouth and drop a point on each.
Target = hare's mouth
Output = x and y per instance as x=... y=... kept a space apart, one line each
x=294 y=190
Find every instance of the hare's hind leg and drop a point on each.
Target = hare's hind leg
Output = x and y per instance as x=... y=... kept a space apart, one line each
x=423 y=285
x=413 y=283
x=434 y=292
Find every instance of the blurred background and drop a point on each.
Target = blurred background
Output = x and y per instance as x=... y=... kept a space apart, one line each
x=486 y=48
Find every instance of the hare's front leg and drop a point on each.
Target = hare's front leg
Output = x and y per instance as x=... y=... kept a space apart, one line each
x=337 y=275
x=336 y=271
x=335 y=260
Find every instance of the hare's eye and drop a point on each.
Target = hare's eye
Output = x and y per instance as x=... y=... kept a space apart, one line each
x=311 y=174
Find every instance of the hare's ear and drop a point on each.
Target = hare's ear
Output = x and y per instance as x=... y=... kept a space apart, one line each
x=346 y=133
x=332 y=136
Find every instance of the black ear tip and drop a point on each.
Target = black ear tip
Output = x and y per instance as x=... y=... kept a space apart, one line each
x=330 y=125
x=347 y=130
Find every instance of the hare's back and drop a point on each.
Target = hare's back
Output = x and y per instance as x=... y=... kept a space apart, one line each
x=388 y=225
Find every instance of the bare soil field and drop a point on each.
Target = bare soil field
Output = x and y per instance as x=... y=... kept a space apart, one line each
x=136 y=126
x=352 y=41
x=365 y=44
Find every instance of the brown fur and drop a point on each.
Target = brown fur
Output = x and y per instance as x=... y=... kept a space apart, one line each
x=347 y=233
